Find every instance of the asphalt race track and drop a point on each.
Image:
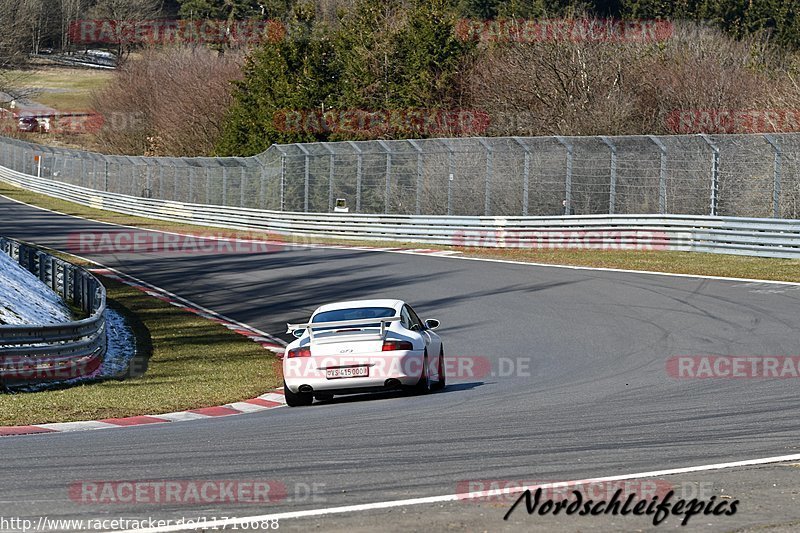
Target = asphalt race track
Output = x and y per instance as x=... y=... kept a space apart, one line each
x=596 y=400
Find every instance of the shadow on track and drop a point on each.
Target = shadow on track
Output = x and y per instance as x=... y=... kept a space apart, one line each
x=375 y=396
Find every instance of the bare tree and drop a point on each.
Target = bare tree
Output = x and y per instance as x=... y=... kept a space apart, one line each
x=17 y=20
x=71 y=12
x=618 y=88
x=128 y=11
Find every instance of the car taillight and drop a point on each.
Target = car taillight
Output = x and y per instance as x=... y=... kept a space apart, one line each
x=303 y=351
x=390 y=346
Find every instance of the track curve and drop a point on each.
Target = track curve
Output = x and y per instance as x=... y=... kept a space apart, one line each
x=598 y=400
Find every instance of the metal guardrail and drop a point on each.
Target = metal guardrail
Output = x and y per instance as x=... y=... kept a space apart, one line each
x=745 y=236
x=33 y=353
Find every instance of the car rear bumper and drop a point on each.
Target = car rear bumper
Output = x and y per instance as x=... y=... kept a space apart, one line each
x=387 y=370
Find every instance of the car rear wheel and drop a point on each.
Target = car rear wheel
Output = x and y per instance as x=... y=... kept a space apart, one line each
x=423 y=386
x=442 y=383
x=297 y=399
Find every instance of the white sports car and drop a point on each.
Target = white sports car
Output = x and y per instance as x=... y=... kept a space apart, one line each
x=362 y=346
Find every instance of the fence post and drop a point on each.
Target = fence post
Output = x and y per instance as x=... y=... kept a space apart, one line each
x=105 y=174
x=359 y=165
x=190 y=195
x=262 y=185
x=388 y=175
x=418 y=206
x=283 y=176
x=208 y=185
x=451 y=171
x=224 y=185
x=283 y=180
x=331 y=167
x=174 y=182
x=160 y=179
x=487 y=194
x=526 y=173
x=776 y=176
x=568 y=178
x=714 y=173
x=306 y=175
x=612 y=193
x=662 y=176
x=84 y=181
x=242 y=185
x=148 y=193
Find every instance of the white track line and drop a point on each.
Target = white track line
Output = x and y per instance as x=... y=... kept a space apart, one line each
x=223 y=524
x=160 y=292
x=627 y=271
x=412 y=252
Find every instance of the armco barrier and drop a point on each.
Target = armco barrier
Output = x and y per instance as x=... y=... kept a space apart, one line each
x=33 y=353
x=745 y=236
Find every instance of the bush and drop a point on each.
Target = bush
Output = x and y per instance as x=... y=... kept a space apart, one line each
x=168 y=102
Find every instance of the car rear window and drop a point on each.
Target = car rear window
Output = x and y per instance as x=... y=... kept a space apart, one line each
x=354 y=314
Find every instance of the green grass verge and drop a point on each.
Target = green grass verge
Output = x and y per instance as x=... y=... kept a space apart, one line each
x=700 y=264
x=724 y=265
x=194 y=363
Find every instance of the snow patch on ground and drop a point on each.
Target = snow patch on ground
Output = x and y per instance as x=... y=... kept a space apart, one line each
x=121 y=346
x=24 y=300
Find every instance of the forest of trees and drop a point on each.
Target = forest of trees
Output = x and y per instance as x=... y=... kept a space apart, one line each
x=340 y=55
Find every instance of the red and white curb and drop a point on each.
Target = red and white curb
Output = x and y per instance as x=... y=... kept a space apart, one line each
x=270 y=400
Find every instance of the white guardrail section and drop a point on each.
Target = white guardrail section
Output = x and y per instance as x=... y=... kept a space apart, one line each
x=745 y=236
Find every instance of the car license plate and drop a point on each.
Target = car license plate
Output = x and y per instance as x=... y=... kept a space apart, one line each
x=347 y=372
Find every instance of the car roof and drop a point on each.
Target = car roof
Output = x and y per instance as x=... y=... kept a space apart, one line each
x=352 y=304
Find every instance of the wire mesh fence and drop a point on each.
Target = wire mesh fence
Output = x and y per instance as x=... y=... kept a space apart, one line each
x=726 y=175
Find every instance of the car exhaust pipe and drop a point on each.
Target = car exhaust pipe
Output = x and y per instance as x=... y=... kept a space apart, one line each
x=306 y=389
x=392 y=383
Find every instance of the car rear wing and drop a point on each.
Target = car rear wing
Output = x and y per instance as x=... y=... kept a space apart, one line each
x=359 y=324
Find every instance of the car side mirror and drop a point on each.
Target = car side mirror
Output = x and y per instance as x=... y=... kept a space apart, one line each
x=298 y=333
x=432 y=323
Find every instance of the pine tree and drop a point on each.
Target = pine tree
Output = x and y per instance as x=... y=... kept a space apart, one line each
x=281 y=80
